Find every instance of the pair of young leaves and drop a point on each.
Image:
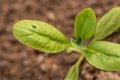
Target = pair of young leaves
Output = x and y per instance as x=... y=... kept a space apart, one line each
x=103 y=55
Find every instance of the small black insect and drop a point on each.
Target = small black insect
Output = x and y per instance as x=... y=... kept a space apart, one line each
x=33 y=26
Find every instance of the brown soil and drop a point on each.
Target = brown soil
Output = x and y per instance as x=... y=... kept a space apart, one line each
x=19 y=62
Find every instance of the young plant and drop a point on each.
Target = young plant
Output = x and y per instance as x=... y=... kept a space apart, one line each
x=101 y=54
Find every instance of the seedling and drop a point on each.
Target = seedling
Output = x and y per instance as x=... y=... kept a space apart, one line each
x=101 y=54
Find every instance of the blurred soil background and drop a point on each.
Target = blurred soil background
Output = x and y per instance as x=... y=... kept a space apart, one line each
x=19 y=62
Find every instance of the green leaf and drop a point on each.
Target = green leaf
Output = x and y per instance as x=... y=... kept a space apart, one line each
x=104 y=55
x=76 y=45
x=40 y=35
x=73 y=73
x=85 y=24
x=108 y=24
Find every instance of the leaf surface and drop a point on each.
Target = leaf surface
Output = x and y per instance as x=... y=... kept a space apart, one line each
x=40 y=35
x=73 y=73
x=108 y=24
x=76 y=45
x=104 y=55
x=85 y=24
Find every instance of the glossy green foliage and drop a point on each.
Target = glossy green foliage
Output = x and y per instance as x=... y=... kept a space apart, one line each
x=108 y=24
x=85 y=24
x=104 y=55
x=40 y=35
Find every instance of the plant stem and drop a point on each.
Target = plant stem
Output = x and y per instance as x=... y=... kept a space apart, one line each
x=69 y=50
x=80 y=59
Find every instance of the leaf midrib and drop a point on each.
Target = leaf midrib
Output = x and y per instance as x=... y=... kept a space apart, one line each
x=47 y=36
x=83 y=30
x=97 y=51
